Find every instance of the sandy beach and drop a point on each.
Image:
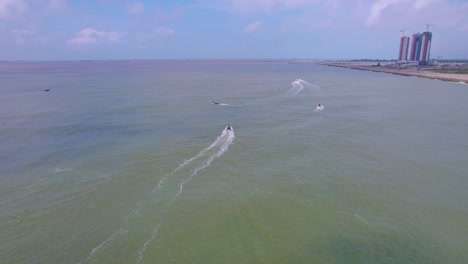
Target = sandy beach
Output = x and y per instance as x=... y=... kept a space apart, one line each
x=419 y=71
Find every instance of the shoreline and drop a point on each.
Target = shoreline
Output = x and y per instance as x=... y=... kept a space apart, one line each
x=416 y=71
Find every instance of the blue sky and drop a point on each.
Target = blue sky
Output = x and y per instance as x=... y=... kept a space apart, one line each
x=226 y=29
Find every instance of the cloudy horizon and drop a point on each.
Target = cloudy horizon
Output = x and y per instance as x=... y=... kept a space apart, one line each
x=227 y=29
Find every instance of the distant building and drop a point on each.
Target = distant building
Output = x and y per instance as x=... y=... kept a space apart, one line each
x=426 y=47
x=404 y=45
x=421 y=47
x=415 y=47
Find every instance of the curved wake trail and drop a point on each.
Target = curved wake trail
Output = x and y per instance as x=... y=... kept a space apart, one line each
x=223 y=148
x=203 y=152
x=298 y=86
x=204 y=159
x=169 y=187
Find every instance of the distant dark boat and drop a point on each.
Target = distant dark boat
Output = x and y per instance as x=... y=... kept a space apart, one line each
x=229 y=127
x=216 y=103
x=46 y=90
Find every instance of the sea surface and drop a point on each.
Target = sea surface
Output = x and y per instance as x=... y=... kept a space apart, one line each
x=130 y=162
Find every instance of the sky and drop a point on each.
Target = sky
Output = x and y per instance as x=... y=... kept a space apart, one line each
x=227 y=29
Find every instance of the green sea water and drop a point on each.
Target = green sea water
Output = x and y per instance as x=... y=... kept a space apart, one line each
x=130 y=162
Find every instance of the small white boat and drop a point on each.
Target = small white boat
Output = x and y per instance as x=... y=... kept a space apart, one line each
x=319 y=108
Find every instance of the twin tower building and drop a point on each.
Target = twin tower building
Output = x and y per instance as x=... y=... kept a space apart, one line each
x=420 y=48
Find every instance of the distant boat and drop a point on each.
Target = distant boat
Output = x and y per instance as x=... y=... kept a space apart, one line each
x=319 y=108
x=229 y=128
x=216 y=103
x=46 y=90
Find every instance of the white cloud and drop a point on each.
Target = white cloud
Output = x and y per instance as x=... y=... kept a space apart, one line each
x=164 y=15
x=92 y=36
x=22 y=35
x=26 y=10
x=421 y=4
x=28 y=37
x=56 y=6
x=259 y=6
x=391 y=14
x=252 y=27
x=376 y=10
x=162 y=33
x=11 y=10
x=145 y=40
x=135 y=8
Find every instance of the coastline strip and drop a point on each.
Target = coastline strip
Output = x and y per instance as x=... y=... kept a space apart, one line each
x=405 y=71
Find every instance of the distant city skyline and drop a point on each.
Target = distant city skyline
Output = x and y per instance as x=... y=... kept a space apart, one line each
x=420 y=48
x=226 y=29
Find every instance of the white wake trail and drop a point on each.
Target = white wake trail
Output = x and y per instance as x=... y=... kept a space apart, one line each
x=103 y=244
x=205 y=157
x=203 y=152
x=187 y=162
x=142 y=251
x=298 y=86
x=223 y=148
x=222 y=142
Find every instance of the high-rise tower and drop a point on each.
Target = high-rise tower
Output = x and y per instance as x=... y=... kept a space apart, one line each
x=421 y=47
x=426 y=47
x=415 y=47
x=404 y=45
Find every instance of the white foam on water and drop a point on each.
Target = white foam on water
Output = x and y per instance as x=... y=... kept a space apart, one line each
x=203 y=159
x=142 y=251
x=361 y=218
x=223 y=147
x=203 y=152
x=219 y=147
x=296 y=88
x=59 y=170
x=215 y=150
x=104 y=243
x=299 y=85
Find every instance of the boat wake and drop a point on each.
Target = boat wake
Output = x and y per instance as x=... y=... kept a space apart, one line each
x=218 y=103
x=164 y=195
x=299 y=85
x=204 y=158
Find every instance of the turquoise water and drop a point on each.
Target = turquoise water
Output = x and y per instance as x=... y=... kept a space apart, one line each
x=129 y=162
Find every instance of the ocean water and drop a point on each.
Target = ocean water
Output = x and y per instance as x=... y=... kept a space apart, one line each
x=130 y=162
